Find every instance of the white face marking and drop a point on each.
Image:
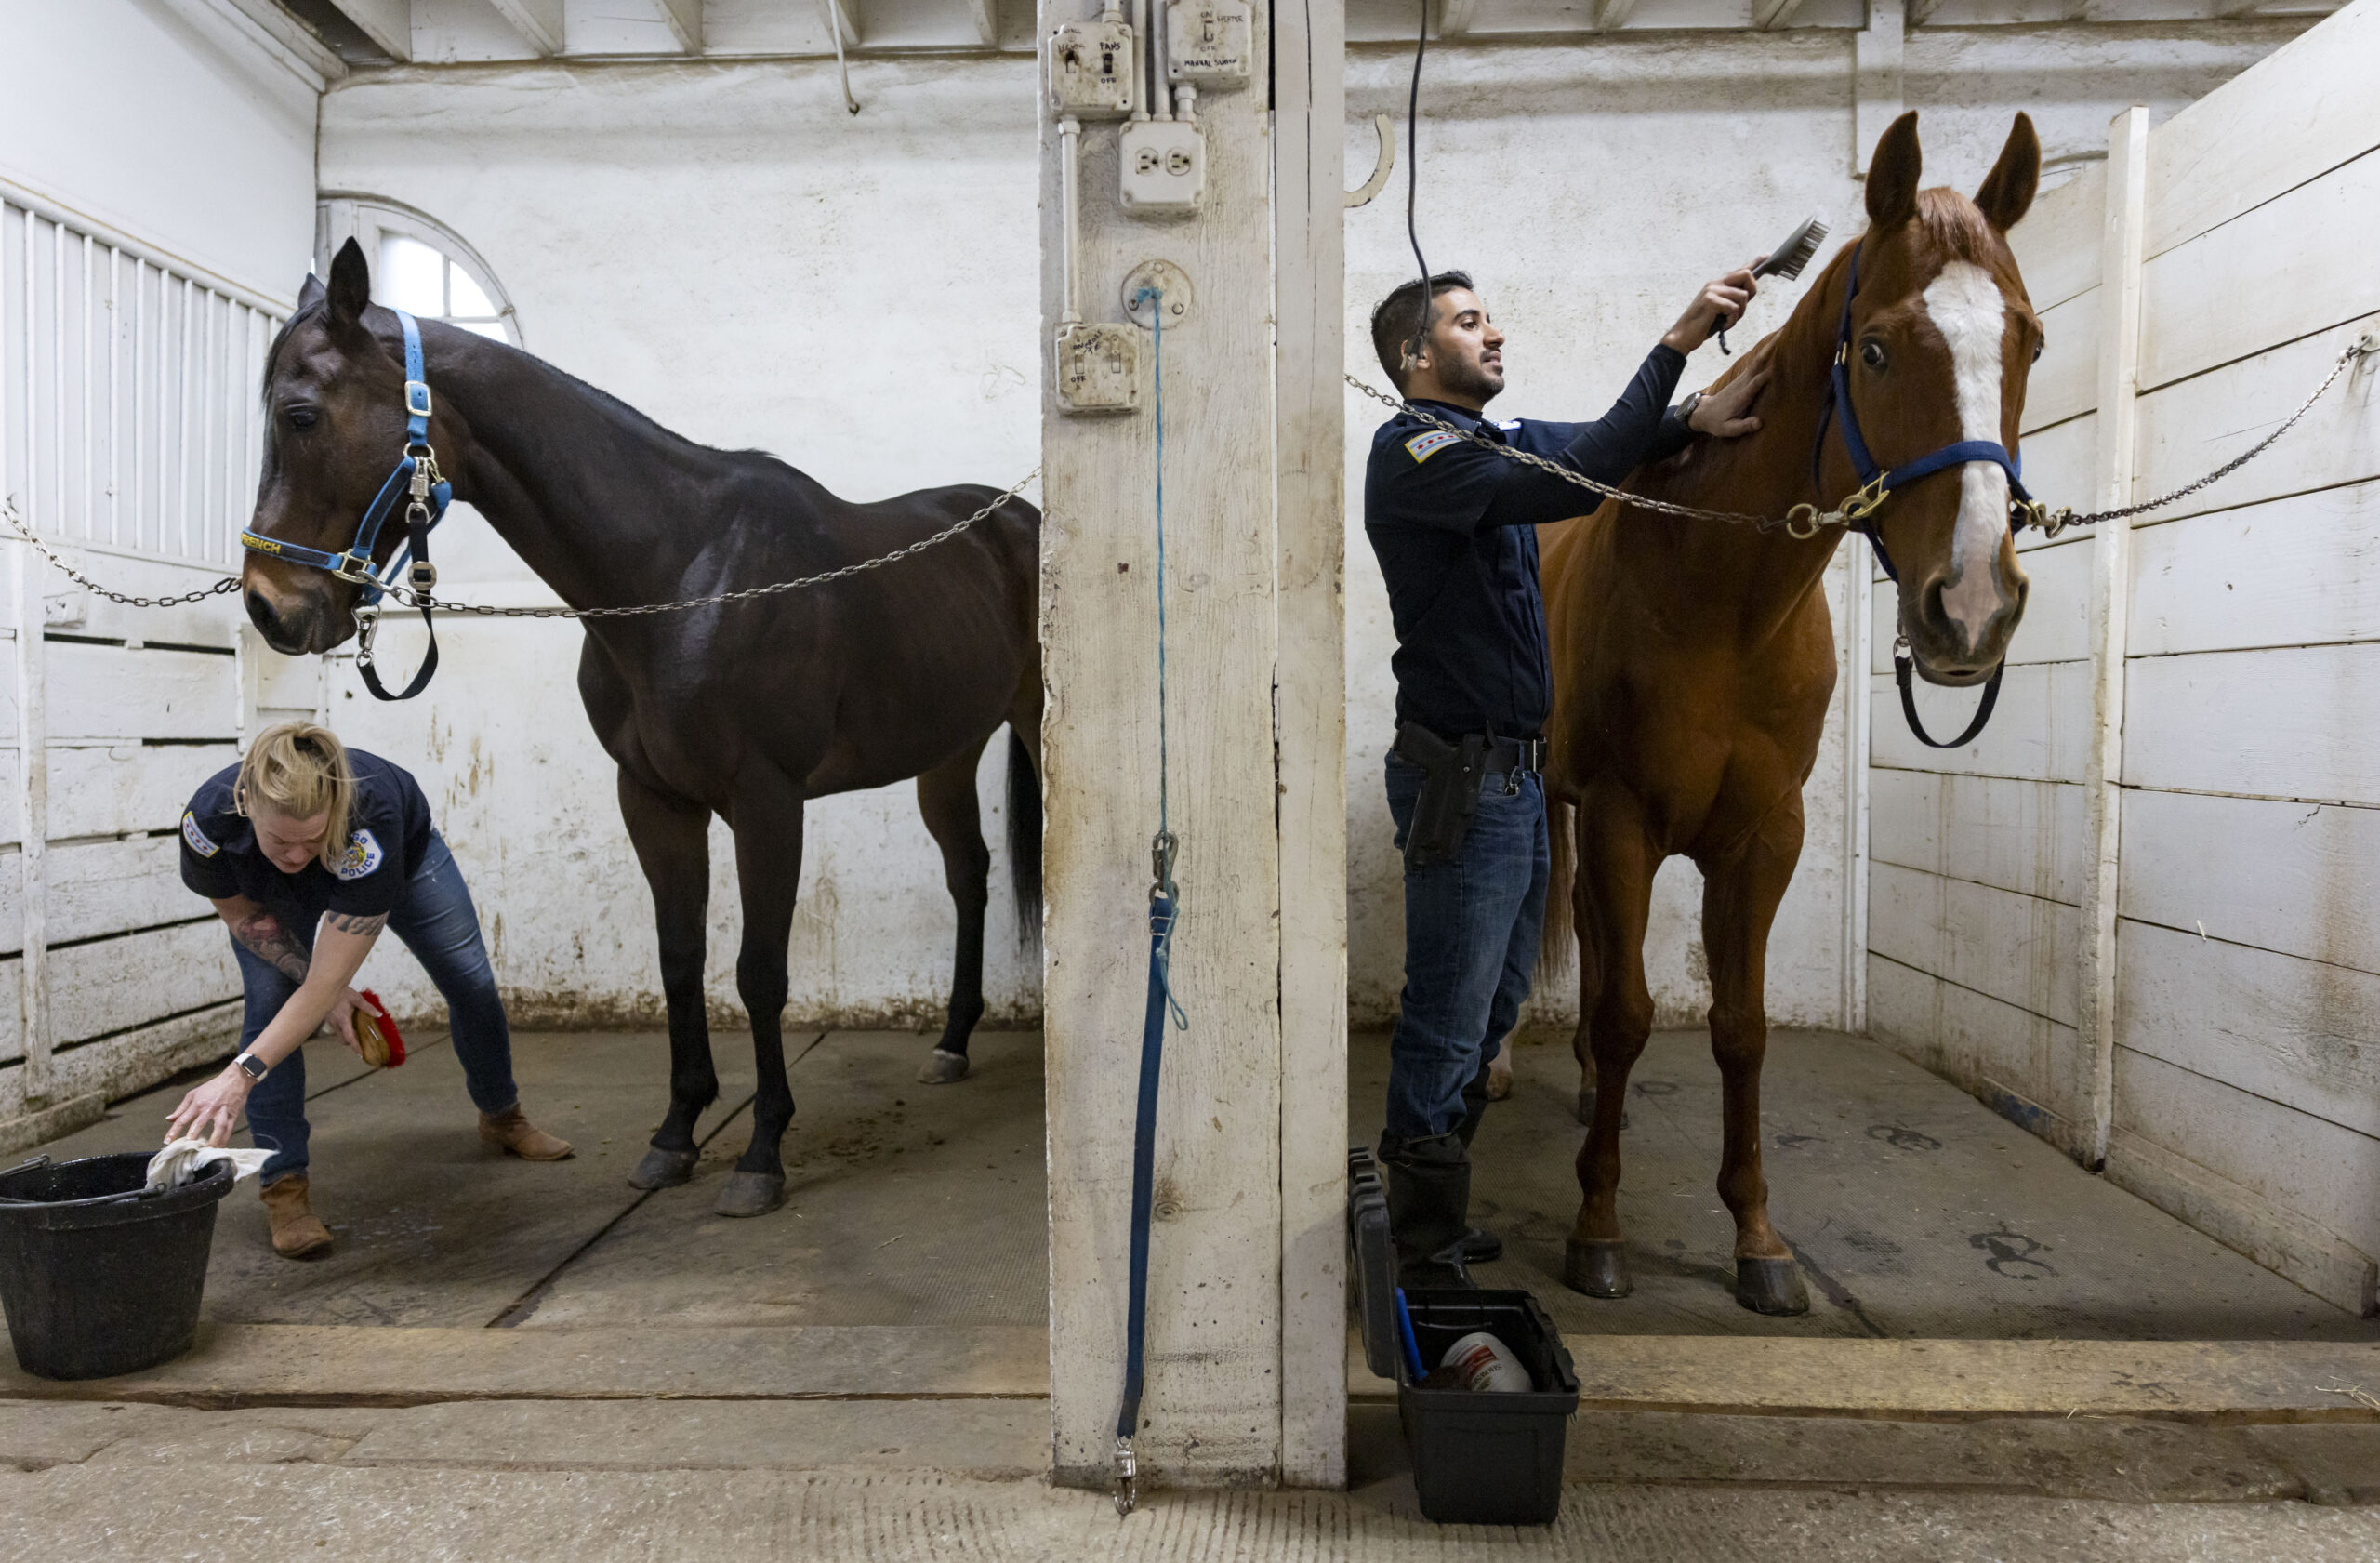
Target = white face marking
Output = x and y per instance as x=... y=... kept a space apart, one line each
x=1965 y=306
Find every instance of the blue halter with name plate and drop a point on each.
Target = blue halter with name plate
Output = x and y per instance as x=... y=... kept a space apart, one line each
x=416 y=482
x=1878 y=484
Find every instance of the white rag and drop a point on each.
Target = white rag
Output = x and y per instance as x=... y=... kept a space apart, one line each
x=185 y=1159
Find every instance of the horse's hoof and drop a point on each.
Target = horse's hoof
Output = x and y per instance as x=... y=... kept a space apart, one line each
x=1771 y=1286
x=663 y=1169
x=1598 y=1267
x=943 y=1067
x=1500 y=1076
x=749 y=1194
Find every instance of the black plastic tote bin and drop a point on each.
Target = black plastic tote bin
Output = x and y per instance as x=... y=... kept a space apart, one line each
x=1478 y=1458
x=97 y=1277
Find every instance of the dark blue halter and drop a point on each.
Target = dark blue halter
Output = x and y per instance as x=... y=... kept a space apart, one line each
x=416 y=481
x=1878 y=484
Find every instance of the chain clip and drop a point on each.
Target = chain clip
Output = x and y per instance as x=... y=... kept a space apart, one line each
x=1128 y=1477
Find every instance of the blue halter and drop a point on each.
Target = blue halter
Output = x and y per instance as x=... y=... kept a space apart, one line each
x=1877 y=483
x=416 y=481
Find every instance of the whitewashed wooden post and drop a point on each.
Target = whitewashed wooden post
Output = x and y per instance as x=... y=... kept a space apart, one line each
x=2120 y=255
x=1253 y=526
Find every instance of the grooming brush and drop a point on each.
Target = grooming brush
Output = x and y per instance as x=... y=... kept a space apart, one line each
x=376 y=1034
x=1786 y=260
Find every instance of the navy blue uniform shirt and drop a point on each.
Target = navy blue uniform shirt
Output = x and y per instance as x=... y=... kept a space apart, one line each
x=387 y=832
x=1454 y=525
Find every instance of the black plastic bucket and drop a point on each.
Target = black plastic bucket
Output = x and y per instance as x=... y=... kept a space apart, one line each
x=97 y=1277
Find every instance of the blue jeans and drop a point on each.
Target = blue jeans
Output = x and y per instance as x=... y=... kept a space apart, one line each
x=437 y=923
x=1471 y=930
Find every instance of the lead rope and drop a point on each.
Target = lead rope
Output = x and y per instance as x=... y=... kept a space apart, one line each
x=1164 y=901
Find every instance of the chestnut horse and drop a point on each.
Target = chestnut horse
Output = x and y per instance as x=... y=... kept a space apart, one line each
x=1693 y=661
x=746 y=710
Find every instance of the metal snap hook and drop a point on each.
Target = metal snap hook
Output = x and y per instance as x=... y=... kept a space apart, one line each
x=1802 y=522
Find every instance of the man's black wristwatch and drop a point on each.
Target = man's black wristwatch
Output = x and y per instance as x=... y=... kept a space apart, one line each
x=251 y=1066
x=1686 y=408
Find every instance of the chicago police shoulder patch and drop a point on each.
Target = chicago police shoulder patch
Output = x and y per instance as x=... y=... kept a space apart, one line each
x=1424 y=445
x=197 y=838
x=363 y=855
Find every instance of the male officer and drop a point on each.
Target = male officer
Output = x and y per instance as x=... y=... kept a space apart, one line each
x=1453 y=524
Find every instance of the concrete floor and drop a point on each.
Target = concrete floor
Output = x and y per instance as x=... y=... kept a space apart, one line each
x=504 y=1361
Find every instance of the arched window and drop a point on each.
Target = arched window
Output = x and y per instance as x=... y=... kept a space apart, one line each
x=418 y=264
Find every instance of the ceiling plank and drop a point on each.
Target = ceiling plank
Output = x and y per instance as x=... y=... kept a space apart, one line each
x=262 y=24
x=539 y=21
x=987 y=22
x=1612 y=15
x=1457 y=18
x=846 y=12
x=684 y=20
x=387 y=22
x=1768 y=14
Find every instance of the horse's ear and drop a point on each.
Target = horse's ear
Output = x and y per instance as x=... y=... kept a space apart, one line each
x=1892 y=175
x=350 y=289
x=2007 y=191
x=311 y=294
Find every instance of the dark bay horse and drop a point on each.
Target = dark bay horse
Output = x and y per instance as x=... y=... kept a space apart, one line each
x=1693 y=661
x=746 y=710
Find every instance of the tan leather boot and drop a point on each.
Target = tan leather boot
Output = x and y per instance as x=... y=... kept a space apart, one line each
x=515 y=1135
x=296 y=1234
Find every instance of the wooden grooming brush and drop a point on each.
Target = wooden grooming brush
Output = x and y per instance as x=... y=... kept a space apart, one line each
x=376 y=1034
x=1786 y=260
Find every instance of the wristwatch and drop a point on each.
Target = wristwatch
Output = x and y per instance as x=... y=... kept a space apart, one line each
x=1686 y=408
x=251 y=1066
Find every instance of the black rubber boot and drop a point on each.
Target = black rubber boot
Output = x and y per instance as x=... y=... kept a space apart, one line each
x=1429 y=1191
x=1479 y=1245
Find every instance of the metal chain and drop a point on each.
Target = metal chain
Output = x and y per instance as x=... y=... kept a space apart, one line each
x=17 y=524
x=411 y=598
x=1805 y=520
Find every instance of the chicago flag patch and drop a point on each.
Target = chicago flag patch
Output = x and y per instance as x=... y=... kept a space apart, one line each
x=197 y=838
x=1424 y=445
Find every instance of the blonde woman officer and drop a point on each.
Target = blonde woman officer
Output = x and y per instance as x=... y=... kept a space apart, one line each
x=309 y=849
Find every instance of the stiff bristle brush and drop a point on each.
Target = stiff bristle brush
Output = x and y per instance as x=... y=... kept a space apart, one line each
x=1786 y=260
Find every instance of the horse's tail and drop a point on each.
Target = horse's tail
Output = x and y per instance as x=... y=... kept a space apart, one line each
x=1556 y=937
x=1024 y=839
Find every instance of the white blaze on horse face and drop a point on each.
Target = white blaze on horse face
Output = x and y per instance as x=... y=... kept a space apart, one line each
x=1965 y=306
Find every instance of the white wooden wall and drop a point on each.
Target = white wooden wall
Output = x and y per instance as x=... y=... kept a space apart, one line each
x=128 y=440
x=2183 y=982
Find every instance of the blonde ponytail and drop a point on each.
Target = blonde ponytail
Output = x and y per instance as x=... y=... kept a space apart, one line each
x=299 y=770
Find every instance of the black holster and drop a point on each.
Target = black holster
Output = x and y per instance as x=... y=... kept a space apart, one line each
x=1452 y=774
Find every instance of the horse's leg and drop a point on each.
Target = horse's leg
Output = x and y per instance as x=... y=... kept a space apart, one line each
x=1616 y=861
x=768 y=871
x=946 y=799
x=673 y=846
x=1740 y=901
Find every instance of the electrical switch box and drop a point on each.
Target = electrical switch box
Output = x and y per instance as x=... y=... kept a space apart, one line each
x=1092 y=69
x=1208 y=42
x=1098 y=368
x=1165 y=166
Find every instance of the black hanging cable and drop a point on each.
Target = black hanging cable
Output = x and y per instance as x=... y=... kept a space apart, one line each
x=1413 y=181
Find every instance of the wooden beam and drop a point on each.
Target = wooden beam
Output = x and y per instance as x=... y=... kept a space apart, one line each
x=2234 y=9
x=1456 y=16
x=1876 y=52
x=387 y=23
x=987 y=22
x=264 y=25
x=846 y=12
x=1768 y=14
x=684 y=20
x=539 y=21
x=1922 y=11
x=1612 y=15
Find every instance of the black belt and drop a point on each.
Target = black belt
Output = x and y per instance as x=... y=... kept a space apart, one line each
x=1504 y=756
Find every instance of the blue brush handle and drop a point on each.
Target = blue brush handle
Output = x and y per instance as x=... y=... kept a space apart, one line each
x=1405 y=1331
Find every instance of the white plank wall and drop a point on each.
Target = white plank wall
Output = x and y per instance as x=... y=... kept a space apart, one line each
x=2240 y=1042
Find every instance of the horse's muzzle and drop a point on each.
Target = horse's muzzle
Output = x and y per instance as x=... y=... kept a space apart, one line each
x=292 y=629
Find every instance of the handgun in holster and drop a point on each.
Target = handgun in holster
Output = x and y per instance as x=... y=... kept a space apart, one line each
x=1452 y=774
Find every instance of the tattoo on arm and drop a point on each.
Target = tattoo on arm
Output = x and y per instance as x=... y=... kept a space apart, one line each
x=263 y=933
x=349 y=923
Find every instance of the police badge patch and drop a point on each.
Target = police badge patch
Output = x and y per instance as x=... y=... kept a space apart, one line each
x=197 y=838
x=1424 y=445
x=363 y=855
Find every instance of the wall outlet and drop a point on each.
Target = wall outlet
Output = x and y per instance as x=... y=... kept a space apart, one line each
x=1090 y=69
x=1208 y=42
x=1098 y=369
x=1165 y=166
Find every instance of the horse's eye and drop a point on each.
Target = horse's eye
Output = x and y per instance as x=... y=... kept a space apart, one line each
x=2039 y=348
x=1871 y=353
x=300 y=418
